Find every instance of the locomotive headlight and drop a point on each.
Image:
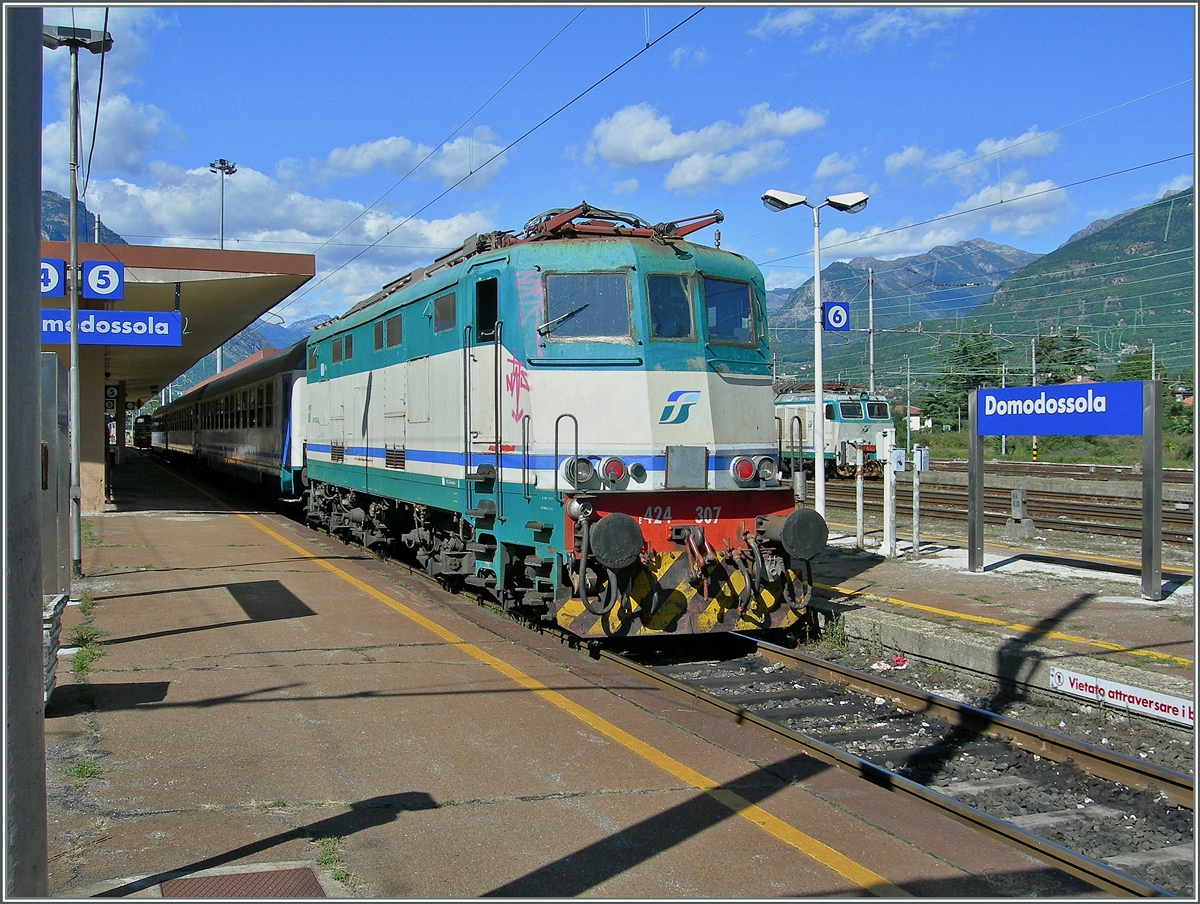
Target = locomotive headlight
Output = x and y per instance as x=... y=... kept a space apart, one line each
x=767 y=468
x=742 y=469
x=578 y=470
x=613 y=470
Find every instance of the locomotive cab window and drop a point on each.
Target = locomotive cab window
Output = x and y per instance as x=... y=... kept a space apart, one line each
x=444 y=316
x=851 y=411
x=730 y=311
x=670 y=300
x=586 y=306
x=877 y=411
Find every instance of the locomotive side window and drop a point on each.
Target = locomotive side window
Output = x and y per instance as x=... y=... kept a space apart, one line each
x=348 y=347
x=877 y=411
x=670 y=307
x=394 y=331
x=829 y=411
x=851 y=411
x=336 y=353
x=444 y=317
x=378 y=328
x=312 y=359
x=730 y=312
x=586 y=305
x=486 y=299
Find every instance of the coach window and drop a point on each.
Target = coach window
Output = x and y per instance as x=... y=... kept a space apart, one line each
x=336 y=355
x=586 y=305
x=394 y=331
x=670 y=307
x=730 y=311
x=261 y=404
x=444 y=316
x=270 y=405
x=252 y=410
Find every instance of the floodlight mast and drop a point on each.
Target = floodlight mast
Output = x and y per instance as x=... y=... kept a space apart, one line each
x=851 y=202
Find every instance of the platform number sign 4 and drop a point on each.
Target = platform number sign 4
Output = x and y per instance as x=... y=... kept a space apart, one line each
x=53 y=278
x=837 y=316
x=103 y=279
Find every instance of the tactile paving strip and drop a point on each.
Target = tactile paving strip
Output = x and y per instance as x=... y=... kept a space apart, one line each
x=277 y=883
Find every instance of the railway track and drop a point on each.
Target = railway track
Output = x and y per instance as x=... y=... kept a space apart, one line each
x=1077 y=513
x=1120 y=824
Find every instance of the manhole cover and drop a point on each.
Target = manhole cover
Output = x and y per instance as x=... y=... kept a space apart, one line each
x=276 y=883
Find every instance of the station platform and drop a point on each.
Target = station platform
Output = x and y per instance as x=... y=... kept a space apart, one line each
x=265 y=712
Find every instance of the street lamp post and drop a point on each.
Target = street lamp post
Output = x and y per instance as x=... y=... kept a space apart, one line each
x=225 y=168
x=851 y=202
x=54 y=37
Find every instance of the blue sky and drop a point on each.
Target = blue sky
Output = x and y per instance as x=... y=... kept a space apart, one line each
x=378 y=137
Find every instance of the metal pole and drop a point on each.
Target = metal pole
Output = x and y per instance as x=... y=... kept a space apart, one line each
x=916 y=505
x=974 y=485
x=76 y=426
x=1003 y=438
x=887 y=442
x=818 y=373
x=860 y=528
x=1152 y=489
x=1033 y=342
x=871 y=327
x=908 y=402
x=221 y=234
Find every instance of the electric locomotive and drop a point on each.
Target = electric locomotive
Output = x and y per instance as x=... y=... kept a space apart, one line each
x=575 y=419
x=851 y=415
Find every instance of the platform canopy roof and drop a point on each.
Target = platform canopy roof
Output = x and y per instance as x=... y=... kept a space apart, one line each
x=218 y=292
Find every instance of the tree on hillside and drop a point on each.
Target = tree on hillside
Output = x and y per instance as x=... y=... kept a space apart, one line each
x=1061 y=359
x=967 y=363
x=1136 y=366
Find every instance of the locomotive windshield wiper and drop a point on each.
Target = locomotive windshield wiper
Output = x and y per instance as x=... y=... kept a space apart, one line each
x=550 y=324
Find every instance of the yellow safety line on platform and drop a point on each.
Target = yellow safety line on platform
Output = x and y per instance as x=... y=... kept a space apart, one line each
x=822 y=853
x=999 y=623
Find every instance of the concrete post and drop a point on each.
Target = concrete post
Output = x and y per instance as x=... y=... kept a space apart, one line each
x=860 y=527
x=884 y=447
x=24 y=691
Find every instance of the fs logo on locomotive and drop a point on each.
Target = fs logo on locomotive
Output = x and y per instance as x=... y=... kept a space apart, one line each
x=679 y=404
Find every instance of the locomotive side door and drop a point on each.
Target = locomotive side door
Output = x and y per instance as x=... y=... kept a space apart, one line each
x=483 y=366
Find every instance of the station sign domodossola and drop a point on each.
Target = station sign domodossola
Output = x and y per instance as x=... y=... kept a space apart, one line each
x=1069 y=409
x=103 y=280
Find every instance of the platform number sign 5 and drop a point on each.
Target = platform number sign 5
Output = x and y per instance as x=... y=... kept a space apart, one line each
x=837 y=316
x=53 y=278
x=103 y=279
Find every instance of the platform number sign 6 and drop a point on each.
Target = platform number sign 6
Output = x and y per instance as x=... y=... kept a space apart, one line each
x=103 y=279
x=837 y=316
x=53 y=278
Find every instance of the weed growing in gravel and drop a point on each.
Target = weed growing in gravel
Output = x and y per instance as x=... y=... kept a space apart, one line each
x=835 y=634
x=87 y=534
x=82 y=635
x=329 y=851
x=83 y=769
x=85 y=604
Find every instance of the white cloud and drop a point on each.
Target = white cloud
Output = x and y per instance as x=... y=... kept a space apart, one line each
x=721 y=152
x=464 y=156
x=625 y=187
x=909 y=157
x=182 y=208
x=700 y=171
x=682 y=56
x=1032 y=144
x=1179 y=183
x=792 y=21
x=842 y=27
x=834 y=165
